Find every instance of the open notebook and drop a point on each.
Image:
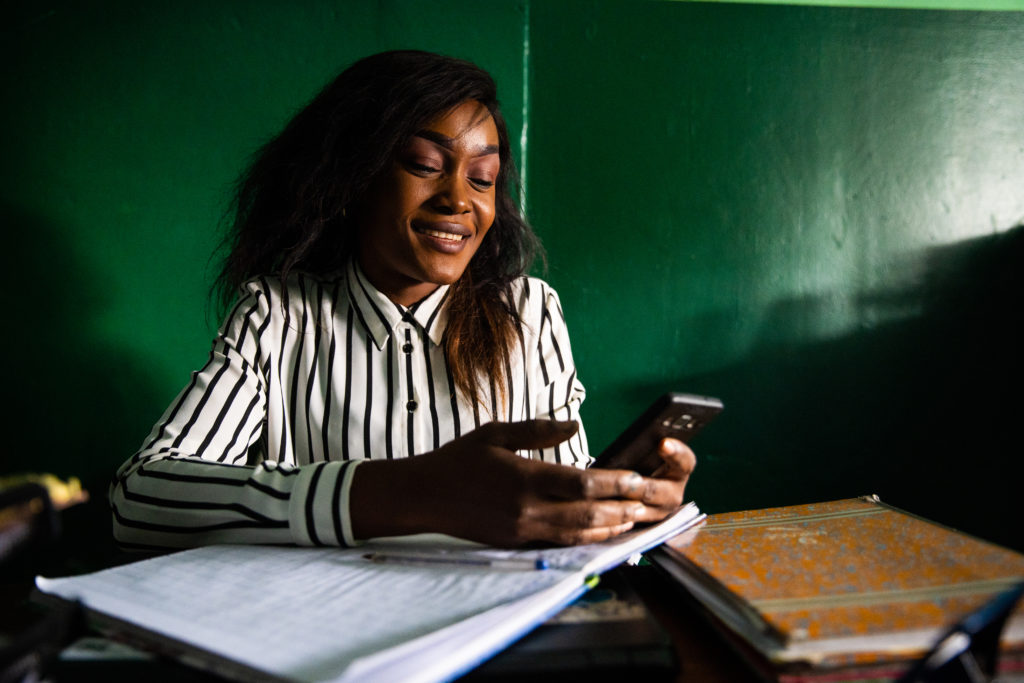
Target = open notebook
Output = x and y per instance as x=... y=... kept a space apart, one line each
x=273 y=613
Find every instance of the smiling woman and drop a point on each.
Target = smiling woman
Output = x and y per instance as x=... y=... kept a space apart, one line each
x=377 y=308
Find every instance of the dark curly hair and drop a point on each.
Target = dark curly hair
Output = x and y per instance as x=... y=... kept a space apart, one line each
x=289 y=209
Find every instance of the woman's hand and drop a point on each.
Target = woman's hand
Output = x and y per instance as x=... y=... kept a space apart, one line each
x=477 y=488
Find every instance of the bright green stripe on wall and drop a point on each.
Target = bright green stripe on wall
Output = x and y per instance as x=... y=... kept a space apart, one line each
x=1011 y=5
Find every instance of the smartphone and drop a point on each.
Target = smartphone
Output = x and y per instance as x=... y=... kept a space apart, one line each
x=676 y=415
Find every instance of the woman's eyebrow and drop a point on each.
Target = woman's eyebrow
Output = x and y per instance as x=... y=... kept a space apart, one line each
x=449 y=143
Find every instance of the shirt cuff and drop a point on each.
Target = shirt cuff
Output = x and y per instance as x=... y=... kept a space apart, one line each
x=318 y=512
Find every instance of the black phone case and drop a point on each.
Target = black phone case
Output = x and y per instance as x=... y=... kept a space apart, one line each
x=676 y=415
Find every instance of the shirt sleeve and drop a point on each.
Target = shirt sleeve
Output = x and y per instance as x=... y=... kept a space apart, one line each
x=560 y=392
x=204 y=475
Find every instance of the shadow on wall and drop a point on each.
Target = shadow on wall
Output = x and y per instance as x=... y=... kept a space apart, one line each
x=77 y=404
x=923 y=410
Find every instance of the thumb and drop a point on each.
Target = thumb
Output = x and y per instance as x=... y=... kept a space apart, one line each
x=678 y=460
x=528 y=434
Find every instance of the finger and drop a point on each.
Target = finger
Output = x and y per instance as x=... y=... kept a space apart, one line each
x=656 y=513
x=661 y=493
x=585 y=514
x=567 y=536
x=528 y=434
x=569 y=483
x=578 y=516
x=679 y=460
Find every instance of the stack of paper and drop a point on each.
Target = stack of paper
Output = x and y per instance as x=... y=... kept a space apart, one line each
x=268 y=613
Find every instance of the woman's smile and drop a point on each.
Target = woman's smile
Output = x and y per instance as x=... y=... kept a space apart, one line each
x=446 y=237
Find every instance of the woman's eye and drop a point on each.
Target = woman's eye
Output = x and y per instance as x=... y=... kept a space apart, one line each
x=423 y=168
x=481 y=182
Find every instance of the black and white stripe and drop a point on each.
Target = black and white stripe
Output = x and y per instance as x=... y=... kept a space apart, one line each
x=305 y=380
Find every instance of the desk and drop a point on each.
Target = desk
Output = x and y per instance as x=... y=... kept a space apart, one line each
x=703 y=655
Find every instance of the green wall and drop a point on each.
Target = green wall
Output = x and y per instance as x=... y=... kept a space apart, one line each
x=892 y=4
x=807 y=211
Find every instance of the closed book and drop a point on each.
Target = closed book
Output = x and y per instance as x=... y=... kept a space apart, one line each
x=848 y=583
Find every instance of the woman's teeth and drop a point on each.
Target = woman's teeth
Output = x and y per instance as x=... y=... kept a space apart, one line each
x=444 y=235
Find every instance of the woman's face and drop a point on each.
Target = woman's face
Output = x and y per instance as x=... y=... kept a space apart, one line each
x=426 y=216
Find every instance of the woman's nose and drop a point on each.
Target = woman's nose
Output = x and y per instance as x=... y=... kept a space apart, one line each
x=452 y=197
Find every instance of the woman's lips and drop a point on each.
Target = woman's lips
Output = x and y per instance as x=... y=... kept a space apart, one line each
x=449 y=238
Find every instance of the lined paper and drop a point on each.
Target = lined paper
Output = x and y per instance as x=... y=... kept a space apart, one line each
x=315 y=614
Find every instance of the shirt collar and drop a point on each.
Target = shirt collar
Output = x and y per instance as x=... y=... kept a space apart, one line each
x=380 y=315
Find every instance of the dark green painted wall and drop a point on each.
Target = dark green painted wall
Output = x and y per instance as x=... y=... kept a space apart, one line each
x=806 y=211
x=891 y=4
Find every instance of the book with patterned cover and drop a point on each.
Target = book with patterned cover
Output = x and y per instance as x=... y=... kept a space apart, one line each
x=844 y=582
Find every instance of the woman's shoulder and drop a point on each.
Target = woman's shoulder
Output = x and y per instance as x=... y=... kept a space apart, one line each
x=298 y=291
x=533 y=293
x=297 y=284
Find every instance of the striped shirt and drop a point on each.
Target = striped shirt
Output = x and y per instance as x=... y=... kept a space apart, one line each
x=306 y=379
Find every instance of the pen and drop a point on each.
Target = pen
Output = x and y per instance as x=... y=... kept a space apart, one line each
x=438 y=559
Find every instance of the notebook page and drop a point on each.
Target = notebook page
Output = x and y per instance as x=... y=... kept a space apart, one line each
x=293 y=612
x=466 y=643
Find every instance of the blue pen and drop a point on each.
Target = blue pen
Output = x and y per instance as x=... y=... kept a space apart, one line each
x=509 y=564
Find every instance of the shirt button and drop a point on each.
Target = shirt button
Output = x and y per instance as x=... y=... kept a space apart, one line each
x=407 y=347
x=410 y=406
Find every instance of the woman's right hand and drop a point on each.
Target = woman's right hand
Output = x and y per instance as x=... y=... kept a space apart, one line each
x=477 y=488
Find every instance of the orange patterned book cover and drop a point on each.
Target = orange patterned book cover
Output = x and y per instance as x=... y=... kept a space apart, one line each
x=842 y=582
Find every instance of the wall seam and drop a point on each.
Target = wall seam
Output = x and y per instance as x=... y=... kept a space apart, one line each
x=525 y=129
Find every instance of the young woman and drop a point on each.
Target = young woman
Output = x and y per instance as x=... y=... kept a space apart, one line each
x=380 y=311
